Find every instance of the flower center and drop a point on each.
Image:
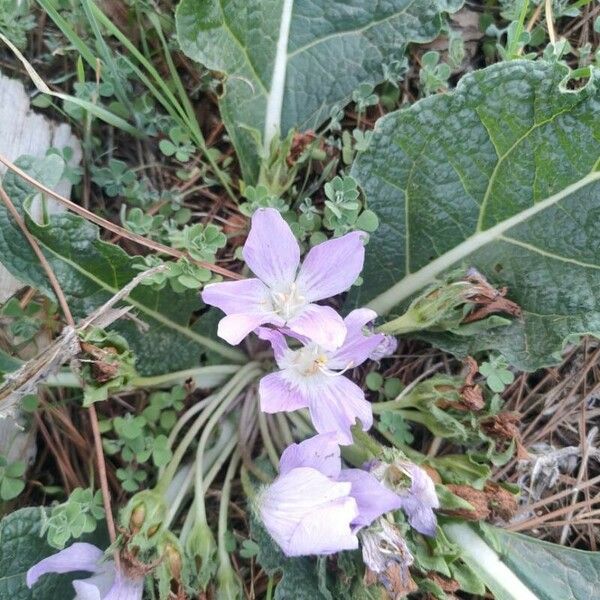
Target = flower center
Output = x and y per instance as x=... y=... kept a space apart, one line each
x=287 y=302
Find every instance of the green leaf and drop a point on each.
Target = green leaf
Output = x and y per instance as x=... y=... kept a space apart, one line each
x=288 y=64
x=501 y=175
x=517 y=567
x=91 y=271
x=551 y=571
x=20 y=548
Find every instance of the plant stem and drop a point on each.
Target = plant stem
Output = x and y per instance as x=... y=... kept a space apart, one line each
x=267 y=441
x=223 y=507
x=244 y=378
x=486 y=563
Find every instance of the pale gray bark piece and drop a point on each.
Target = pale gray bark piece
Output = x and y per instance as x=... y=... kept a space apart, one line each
x=23 y=131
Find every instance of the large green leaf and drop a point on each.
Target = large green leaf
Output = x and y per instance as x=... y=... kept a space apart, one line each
x=91 y=271
x=20 y=548
x=542 y=571
x=287 y=63
x=502 y=175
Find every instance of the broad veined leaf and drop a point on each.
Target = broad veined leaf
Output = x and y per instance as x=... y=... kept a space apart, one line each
x=518 y=567
x=288 y=62
x=502 y=175
x=21 y=546
x=91 y=271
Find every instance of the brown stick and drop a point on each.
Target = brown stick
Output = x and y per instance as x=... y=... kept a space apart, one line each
x=90 y=216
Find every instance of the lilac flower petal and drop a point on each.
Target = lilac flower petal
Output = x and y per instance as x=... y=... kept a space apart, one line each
x=321 y=324
x=125 y=589
x=332 y=267
x=271 y=250
x=357 y=319
x=358 y=345
x=324 y=531
x=420 y=501
x=77 y=557
x=246 y=296
x=320 y=452
x=276 y=339
x=420 y=517
x=422 y=485
x=335 y=405
x=307 y=513
x=387 y=347
x=278 y=395
x=372 y=497
x=97 y=586
x=234 y=328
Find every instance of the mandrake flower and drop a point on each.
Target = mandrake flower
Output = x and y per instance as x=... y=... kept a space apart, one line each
x=284 y=291
x=106 y=583
x=312 y=377
x=316 y=507
x=419 y=500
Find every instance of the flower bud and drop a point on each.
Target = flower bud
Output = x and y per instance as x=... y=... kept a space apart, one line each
x=201 y=550
x=229 y=586
x=144 y=516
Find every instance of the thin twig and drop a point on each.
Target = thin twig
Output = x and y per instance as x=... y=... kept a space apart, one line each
x=134 y=237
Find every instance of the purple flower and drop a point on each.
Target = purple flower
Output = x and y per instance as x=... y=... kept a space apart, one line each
x=315 y=507
x=311 y=376
x=106 y=583
x=386 y=348
x=420 y=500
x=284 y=292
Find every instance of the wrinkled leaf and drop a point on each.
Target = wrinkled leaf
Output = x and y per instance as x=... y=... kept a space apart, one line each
x=288 y=63
x=518 y=567
x=20 y=548
x=551 y=571
x=91 y=271
x=502 y=175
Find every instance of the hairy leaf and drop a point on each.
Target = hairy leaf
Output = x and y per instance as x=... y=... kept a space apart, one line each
x=287 y=63
x=501 y=175
x=518 y=567
x=20 y=548
x=91 y=271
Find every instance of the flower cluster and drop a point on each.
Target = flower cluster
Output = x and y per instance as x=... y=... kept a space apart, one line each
x=315 y=506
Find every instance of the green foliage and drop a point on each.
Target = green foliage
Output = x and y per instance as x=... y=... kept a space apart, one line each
x=114 y=178
x=343 y=209
x=550 y=571
x=22 y=546
x=514 y=217
x=433 y=75
x=91 y=271
x=179 y=145
x=16 y=21
x=80 y=514
x=222 y=38
x=202 y=242
x=11 y=478
x=496 y=373
x=109 y=366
